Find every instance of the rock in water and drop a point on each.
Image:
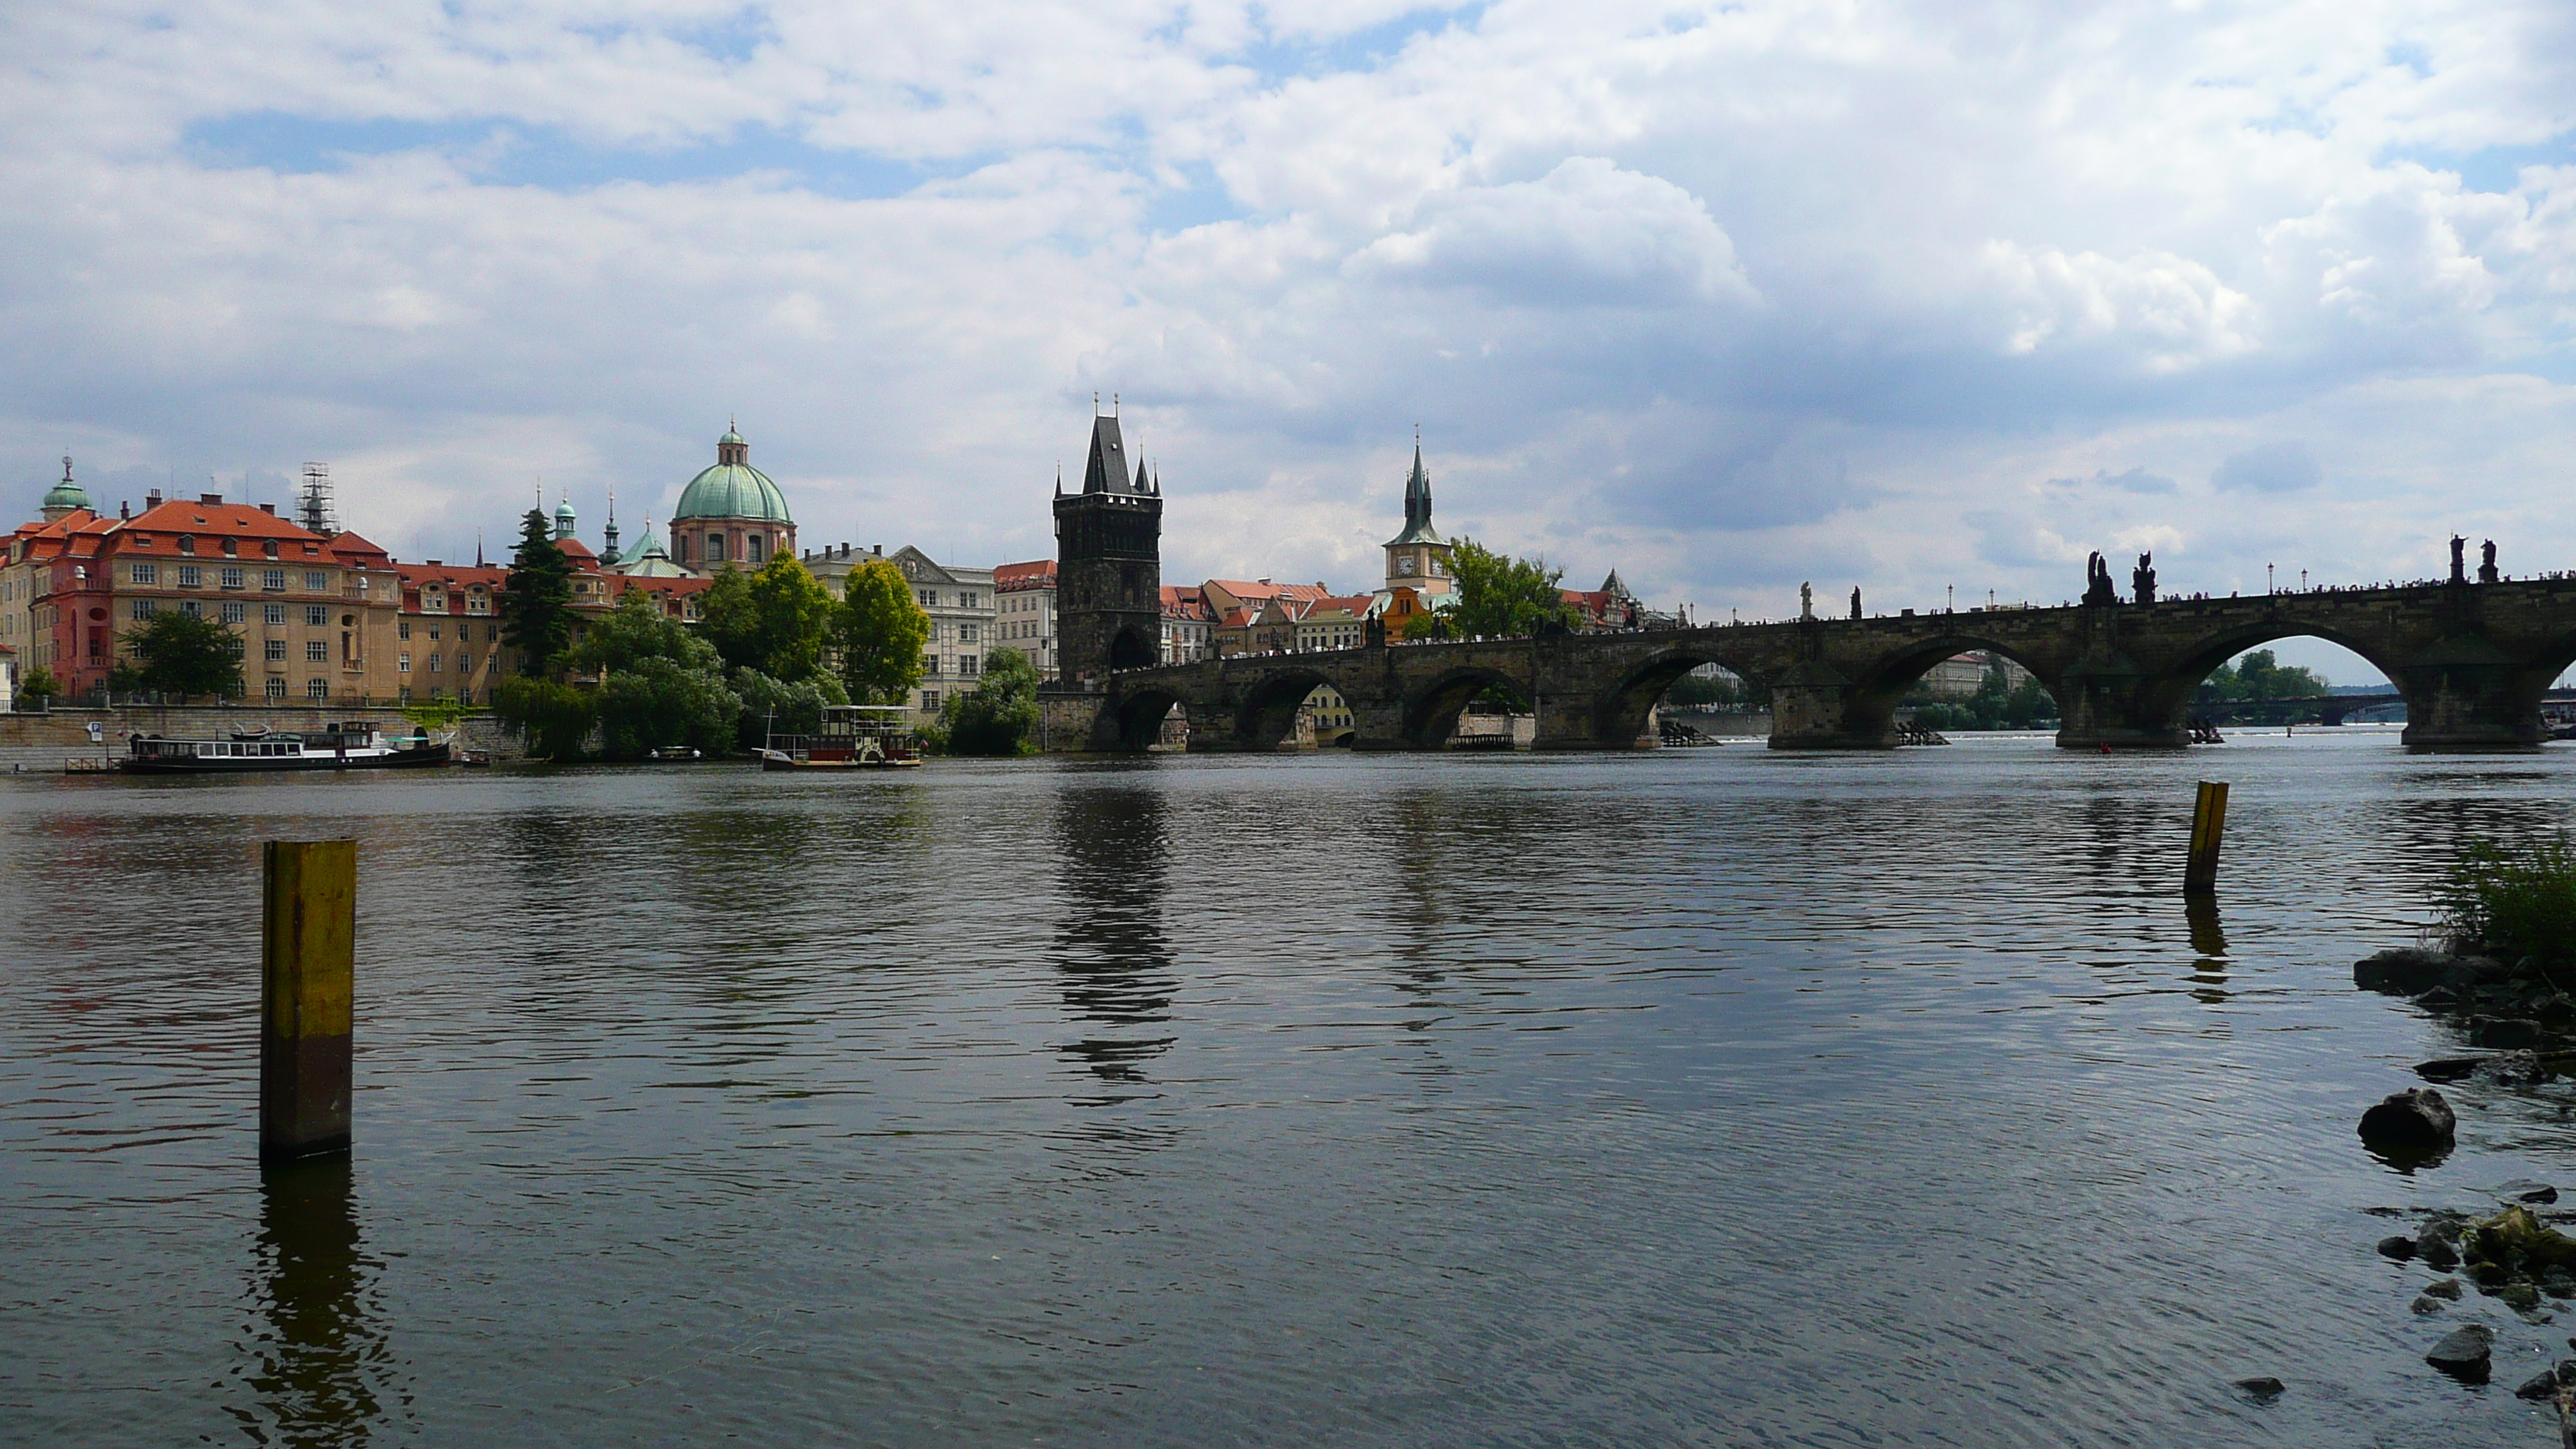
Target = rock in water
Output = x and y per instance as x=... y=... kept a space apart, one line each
x=2414 y=1120
x=2401 y=971
x=2464 y=1353
x=2399 y=1248
x=2265 y=1390
x=2446 y=1288
x=2541 y=1385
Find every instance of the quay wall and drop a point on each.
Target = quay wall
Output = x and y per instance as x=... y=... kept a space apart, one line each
x=49 y=743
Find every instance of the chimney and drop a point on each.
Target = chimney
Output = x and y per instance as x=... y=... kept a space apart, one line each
x=877 y=549
x=210 y=498
x=152 y=499
x=124 y=509
x=269 y=508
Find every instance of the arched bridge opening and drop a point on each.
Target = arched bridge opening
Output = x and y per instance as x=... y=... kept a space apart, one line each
x=1267 y=718
x=1624 y=711
x=1431 y=711
x=1136 y=719
x=1961 y=681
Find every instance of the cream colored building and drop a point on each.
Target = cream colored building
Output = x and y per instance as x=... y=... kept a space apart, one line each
x=962 y=610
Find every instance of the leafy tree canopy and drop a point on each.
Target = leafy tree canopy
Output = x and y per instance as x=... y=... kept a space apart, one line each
x=639 y=629
x=998 y=715
x=775 y=620
x=774 y=704
x=878 y=632
x=39 y=683
x=186 y=654
x=555 y=717
x=1498 y=597
x=2261 y=676
x=660 y=703
x=536 y=610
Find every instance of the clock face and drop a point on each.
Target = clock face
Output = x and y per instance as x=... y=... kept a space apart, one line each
x=1404 y=565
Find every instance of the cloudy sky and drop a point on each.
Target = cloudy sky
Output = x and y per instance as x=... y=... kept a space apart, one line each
x=1909 y=296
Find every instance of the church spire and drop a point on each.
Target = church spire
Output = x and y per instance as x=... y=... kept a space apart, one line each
x=1417 y=492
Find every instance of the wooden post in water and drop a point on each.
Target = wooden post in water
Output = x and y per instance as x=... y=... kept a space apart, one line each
x=2208 y=827
x=308 y=939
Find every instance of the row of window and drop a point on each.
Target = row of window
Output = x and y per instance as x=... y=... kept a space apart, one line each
x=313 y=689
x=464 y=632
x=966 y=599
x=967 y=666
x=188 y=544
x=315 y=615
x=189 y=576
x=430 y=662
x=755 y=548
x=1023 y=629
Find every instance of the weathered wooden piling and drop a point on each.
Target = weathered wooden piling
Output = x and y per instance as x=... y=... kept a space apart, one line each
x=2208 y=827
x=308 y=934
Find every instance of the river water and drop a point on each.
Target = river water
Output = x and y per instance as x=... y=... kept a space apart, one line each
x=1693 y=1097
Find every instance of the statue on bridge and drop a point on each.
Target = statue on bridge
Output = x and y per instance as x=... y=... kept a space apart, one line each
x=1855 y=601
x=2486 y=568
x=2098 y=588
x=2459 y=562
x=2142 y=579
x=1806 y=603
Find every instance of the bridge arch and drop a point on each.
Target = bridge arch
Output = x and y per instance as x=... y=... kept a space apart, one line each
x=1135 y=718
x=1871 y=710
x=1267 y=717
x=1431 y=710
x=2166 y=701
x=1620 y=715
x=1132 y=650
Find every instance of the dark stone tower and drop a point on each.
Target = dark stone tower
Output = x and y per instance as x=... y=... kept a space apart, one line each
x=1109 y=566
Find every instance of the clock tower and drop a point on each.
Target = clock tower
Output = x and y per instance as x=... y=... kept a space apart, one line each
x=1418 y=558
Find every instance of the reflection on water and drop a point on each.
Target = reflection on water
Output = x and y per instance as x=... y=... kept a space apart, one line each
x=2209 y=943
x=319 y=1370
x=1113 y=868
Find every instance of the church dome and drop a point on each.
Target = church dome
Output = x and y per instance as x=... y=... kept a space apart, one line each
x=732 y=488
x=67 y=494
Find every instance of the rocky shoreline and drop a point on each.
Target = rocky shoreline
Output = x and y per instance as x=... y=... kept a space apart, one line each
x=2515 y=1256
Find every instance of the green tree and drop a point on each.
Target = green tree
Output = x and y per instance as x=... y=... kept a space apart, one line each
x=2260 y=676
x=639 y=629
x=878 y=633
x=185 y=654
x=556 y=718
x=660 y=703
x=775 y=620
x=1499 y=597
x=770 y=704
x=998 y=715
x=536 y=609
x=39 y=683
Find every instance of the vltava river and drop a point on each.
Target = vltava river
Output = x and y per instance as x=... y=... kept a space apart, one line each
x=1707 y=1097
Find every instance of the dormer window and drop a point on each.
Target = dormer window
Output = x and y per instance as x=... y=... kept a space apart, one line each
x=231 y=549
x=187 y=544
x=268 y=547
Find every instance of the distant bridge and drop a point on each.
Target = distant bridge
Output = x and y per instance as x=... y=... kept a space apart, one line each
x=2471 y=662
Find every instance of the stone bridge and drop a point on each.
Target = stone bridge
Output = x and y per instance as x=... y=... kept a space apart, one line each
x=2471 y=660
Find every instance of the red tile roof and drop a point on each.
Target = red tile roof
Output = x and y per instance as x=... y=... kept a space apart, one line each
x=1036 y=573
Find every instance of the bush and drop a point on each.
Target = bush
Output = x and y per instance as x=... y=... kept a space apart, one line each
x=798 y=707
x=2513 y=902
x=659 y=703
x=998 y=717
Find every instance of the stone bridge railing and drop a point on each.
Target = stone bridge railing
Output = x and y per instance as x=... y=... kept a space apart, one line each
x=2471 y=660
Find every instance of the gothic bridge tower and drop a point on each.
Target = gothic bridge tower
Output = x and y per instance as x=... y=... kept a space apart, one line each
x=1109 y=567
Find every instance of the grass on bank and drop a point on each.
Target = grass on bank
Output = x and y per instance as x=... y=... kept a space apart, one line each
x=2515 y=902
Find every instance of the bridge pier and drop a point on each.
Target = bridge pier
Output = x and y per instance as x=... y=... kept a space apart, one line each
x=1815 y=708
x=2471 y=707
x=2121 y=709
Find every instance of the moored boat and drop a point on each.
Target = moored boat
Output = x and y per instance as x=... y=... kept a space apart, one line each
x=348 y=745
x=851 y=737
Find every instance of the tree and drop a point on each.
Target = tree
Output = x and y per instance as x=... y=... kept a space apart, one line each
x=556 y=718
x=774 y=620
x=661 y=703
x=39 y=683
x=639 y=629
x=185 y=654
x=1503 y=597
x=787 y=708
x=879 y=633
x=2260 y=676
x=536 y=609
x=997 y=717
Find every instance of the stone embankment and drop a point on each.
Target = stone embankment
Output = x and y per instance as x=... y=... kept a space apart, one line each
x=72 y=738
x=2511 y=1251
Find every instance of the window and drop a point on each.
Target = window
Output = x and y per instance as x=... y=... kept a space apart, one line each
x=145 y=573
x=433 y=631
x=402 y=663
x=232 y=578
x=187 y=545
x=317 y=689
x=465 y=696
x=233 y=646
x=930 y=598
x=477 y=603
x=315 y=581
x=276 y=649
x=966 y=633
x=188 y=607
x=966 y=664
x=715 y=548
x=317 y=651
x=235 y=613
x=276 y=689
x=268 y=548
x=433 y=664
x=143 y=608
x=402 y=630
x=464 y=662
x=754 y=556
x=190 y=576
x=272 y=578
x=231 y=549
x=491 y=633
x=930 y=664
x=318 y=615
x=930 y=701
x=272 y=613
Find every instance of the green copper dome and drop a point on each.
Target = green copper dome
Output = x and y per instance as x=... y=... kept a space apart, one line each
x=68 y=494
x=732 y=488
